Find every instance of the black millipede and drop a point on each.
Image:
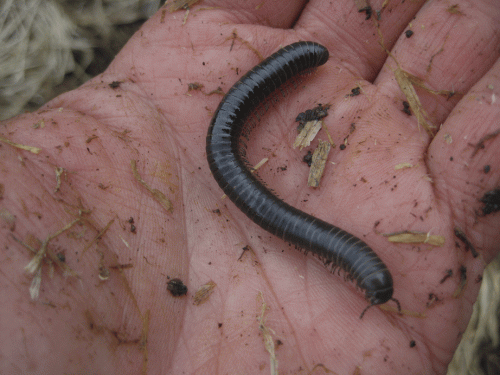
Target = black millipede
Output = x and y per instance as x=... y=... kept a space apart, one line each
x=230 y=169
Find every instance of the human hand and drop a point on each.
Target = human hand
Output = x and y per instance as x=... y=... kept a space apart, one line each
x=106 y=308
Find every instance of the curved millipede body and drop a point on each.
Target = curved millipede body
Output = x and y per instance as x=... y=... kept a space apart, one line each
x=229 y=168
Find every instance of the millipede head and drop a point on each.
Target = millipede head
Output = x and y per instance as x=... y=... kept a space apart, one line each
x=377 y=297
x=379 y=292
x=375 y=302
x=380 y=296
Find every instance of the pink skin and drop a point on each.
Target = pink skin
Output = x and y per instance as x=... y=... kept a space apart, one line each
x=129 y=323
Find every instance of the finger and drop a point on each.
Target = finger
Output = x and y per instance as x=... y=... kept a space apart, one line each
x=207 y=23
x=273 y=14
x=205 y=33
x=353 y=40
x=464 y=163
x=452 y=47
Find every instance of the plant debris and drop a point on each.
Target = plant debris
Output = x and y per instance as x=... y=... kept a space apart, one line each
x=158 y=195
x=203 y=294
x=364 y=6
x=34 y=150
x=491 y=200
x=415 y=237
x=480 y=145
x=468 y=245
x=267 y=335
x=309 y=125
x=177 y=288
x=318 y=163
x=34 y=266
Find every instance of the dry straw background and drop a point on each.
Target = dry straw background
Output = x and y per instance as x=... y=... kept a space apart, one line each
x=51 y=46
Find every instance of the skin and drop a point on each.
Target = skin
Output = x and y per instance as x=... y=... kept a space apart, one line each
x=126 y=322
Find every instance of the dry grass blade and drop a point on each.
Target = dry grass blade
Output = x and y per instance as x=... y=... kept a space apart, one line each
x=158 y=195
x=406 y=83
x=415 y=237
x=34 y=150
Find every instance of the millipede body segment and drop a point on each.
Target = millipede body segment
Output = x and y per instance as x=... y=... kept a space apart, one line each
x=229 y=168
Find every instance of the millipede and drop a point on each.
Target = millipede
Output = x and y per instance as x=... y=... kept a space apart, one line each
x=229 y=167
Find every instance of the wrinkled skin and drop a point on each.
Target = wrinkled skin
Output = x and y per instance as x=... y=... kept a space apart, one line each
x=126 y=321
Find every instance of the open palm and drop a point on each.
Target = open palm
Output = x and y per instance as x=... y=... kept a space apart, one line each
x=120 y=198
